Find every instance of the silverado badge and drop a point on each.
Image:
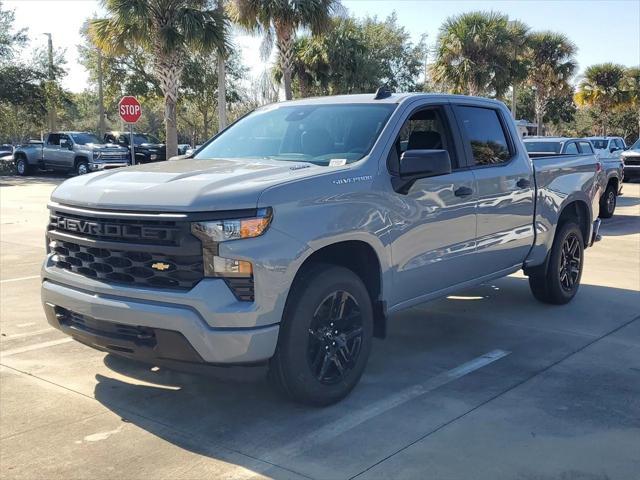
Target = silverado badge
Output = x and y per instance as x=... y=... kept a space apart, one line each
x=160 y=266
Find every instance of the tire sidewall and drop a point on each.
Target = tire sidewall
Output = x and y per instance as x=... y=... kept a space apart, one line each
x=80 y=166
x=25 y=168
x=292 y=346
x=559 y=293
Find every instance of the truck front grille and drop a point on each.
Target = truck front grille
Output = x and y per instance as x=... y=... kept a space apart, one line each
x=155 y=270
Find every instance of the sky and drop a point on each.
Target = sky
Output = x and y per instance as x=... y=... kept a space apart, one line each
x=603 y=30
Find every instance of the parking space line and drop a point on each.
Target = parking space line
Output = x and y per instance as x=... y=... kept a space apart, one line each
x=353 y=419
x=37 y=346
x=27 y=334
x=19 y=279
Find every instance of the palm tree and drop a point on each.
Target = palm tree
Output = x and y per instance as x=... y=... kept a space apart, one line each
x=476 y=51
x=552 y=65
x=222 y=77
x=169 y=30
x=602 y=87
x=632 y=89
x=282 y=18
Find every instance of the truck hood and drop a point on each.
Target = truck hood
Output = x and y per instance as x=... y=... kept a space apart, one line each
x=103 y=147
x=181 y=185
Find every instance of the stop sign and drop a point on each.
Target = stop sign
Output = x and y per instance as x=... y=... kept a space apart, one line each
x=129 y=109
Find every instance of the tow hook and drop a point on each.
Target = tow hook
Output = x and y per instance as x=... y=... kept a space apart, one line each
x=596 y=237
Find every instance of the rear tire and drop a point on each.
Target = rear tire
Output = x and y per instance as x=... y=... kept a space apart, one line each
x=325 y=336
x=608 y=202
x=561 y=281
x=22 y=167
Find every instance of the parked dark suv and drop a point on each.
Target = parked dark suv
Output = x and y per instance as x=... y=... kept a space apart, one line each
x=147 y=147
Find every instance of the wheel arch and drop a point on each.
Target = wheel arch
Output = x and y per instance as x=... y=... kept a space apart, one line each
x=361 y=258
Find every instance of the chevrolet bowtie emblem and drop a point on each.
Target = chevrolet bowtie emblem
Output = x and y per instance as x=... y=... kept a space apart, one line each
x=161 y=266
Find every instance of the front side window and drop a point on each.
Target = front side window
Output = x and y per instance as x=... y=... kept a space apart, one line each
x=53 y=139
x=486 y=134
x=308 y=133
x=85 y=138
x=599 y=144
x=572 y=148
x=619 y=143
x=424 y=130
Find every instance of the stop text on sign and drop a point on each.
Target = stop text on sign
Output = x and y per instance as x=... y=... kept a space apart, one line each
x=129 y=110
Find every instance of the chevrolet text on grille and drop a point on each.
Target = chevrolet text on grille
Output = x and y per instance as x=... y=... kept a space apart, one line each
x=110 y=229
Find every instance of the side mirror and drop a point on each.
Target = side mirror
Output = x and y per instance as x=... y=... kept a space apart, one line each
x=66 y=144
x=416 y=164
x=614 y=149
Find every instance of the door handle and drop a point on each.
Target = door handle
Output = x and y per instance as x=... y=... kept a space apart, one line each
x=463 y=192
x=523 y=183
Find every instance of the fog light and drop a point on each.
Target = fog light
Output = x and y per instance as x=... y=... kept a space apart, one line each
x=230 y=267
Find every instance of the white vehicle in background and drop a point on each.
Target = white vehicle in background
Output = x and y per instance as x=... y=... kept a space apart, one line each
x=608 y=147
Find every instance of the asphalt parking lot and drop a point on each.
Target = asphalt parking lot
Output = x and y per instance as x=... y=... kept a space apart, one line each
x=487 y=384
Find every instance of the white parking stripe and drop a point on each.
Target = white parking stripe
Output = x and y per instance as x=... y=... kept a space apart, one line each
x=37 y=346
x=19 y=279
x=353 y=419
x=27 y=334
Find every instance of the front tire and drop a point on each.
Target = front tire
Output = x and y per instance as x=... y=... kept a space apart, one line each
x=325 y=336
x=560 y=283
x=82 y=167
x=22 y=167
x=608 y=202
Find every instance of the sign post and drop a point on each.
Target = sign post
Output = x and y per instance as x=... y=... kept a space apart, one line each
x=130 y=112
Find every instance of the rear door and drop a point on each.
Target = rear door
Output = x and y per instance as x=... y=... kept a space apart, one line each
x=435 y=218
x=503 y=185
x=51 y=151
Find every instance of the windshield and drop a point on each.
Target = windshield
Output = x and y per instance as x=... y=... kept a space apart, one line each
x=140 y=138
x=635 y=146
x=599 y=144
x=543 y=147
x=84 y=138
x=318 y=134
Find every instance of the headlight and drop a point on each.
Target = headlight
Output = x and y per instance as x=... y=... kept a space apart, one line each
x=211 y=233
x=222 y=230
x=96 y=155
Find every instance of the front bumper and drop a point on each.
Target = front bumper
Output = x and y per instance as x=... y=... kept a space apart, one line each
x=181 y=334
x=97 y=166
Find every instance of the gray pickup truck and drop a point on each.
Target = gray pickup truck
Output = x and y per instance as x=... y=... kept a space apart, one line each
x=293 y=235
x=610 y=176
x=79 y=152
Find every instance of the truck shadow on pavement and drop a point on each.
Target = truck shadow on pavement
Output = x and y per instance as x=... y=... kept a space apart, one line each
x=620 y=225
x=238 y=419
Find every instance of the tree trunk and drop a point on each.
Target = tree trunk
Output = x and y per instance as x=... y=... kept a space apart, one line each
x=285 y=49
x=168 y=71
x=101 y=122
x=222 y=93
x=540 y=111
x=513 y=101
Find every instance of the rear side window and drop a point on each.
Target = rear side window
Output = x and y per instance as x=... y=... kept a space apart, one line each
x=485 y=132
x=572 y=148
x=585 y=147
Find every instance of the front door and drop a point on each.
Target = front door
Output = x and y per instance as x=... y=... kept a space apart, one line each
x=435 y=220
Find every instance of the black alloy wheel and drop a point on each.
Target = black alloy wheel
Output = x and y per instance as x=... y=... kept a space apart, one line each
x=570 y=262
x=335 y=337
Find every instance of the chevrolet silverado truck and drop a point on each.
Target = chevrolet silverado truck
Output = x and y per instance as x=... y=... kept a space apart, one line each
x=79 y=152
x=293 y=235
x=611 y=175
x=147 y=147
x=631 y=161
